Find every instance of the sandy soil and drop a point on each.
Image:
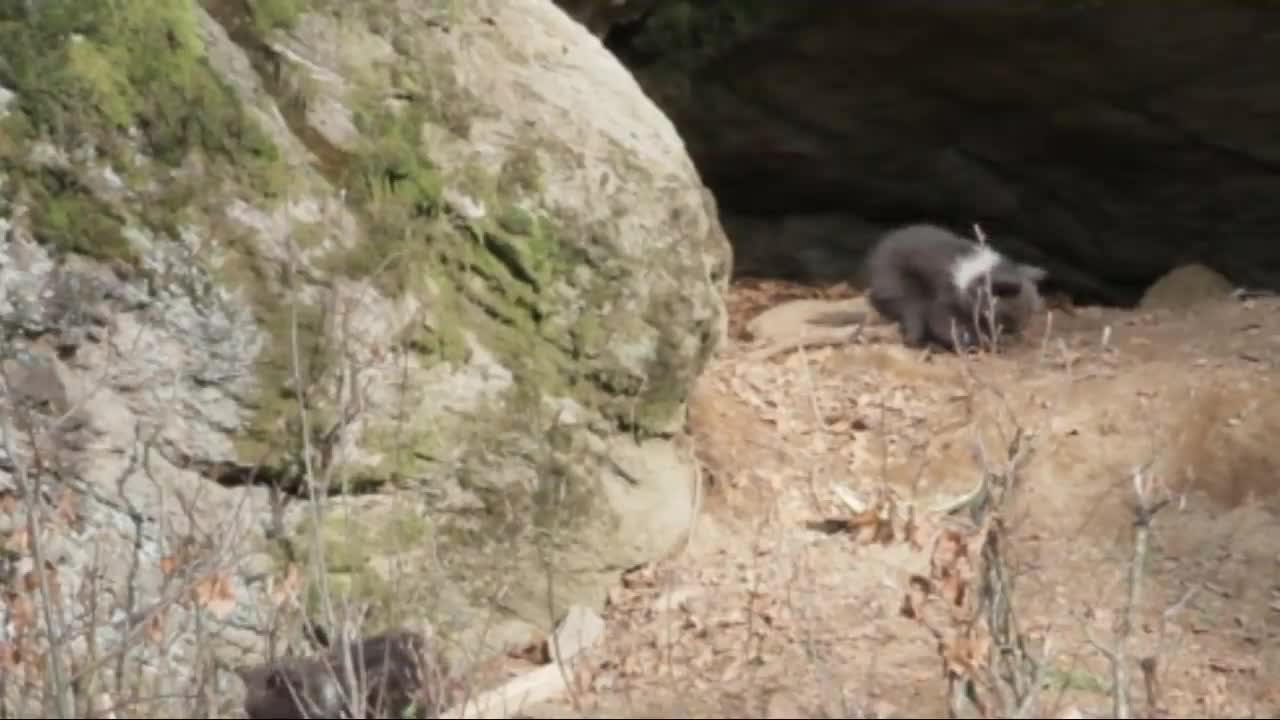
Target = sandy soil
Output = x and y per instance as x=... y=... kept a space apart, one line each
x=773 y=610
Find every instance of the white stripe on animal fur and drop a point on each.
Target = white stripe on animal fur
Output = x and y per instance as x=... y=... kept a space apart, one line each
x=973 y=266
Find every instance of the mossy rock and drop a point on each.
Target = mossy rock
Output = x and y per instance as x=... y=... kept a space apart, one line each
x=117 y=81
x=471 y=294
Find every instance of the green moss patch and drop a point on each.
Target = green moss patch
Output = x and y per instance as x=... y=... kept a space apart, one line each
x=493 y=267
x=360 y=551
x=271 y=15
x=96 y=69
x=273 y=436
x=66 y=215
x=119 y=77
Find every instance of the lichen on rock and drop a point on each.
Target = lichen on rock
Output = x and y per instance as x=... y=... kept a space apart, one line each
x=443 y=261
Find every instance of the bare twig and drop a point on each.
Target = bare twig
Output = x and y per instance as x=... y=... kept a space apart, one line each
x=32 y=491
x=1144 y=512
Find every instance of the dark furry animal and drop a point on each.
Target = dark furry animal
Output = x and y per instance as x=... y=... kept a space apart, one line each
x=925 y=278
x=397 y=672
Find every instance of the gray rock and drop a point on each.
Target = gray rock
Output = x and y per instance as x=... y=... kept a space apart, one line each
x=493 y=377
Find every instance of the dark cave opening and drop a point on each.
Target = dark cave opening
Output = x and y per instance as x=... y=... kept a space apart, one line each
x=1074 y=137
x=736 y=188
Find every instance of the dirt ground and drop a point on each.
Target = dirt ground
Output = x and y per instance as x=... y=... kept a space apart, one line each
x=772 y=611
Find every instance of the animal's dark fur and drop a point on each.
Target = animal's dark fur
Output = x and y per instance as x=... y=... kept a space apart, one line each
x=918 y=279
x=396 y=670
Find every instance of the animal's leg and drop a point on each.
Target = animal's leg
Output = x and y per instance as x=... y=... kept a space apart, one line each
x=942 y=332
x=885 y=305
x=914 y=323
x=910 y=314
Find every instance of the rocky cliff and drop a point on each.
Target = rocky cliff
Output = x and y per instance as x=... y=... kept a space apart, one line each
x=306 y=302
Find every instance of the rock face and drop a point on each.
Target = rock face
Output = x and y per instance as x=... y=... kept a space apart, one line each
x=444 y=262
x=1185 y=287
x=1110 y=142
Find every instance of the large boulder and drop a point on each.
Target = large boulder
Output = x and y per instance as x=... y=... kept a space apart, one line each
x=441 y=268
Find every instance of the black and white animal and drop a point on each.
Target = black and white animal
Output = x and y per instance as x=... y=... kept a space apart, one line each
x=934 y=285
